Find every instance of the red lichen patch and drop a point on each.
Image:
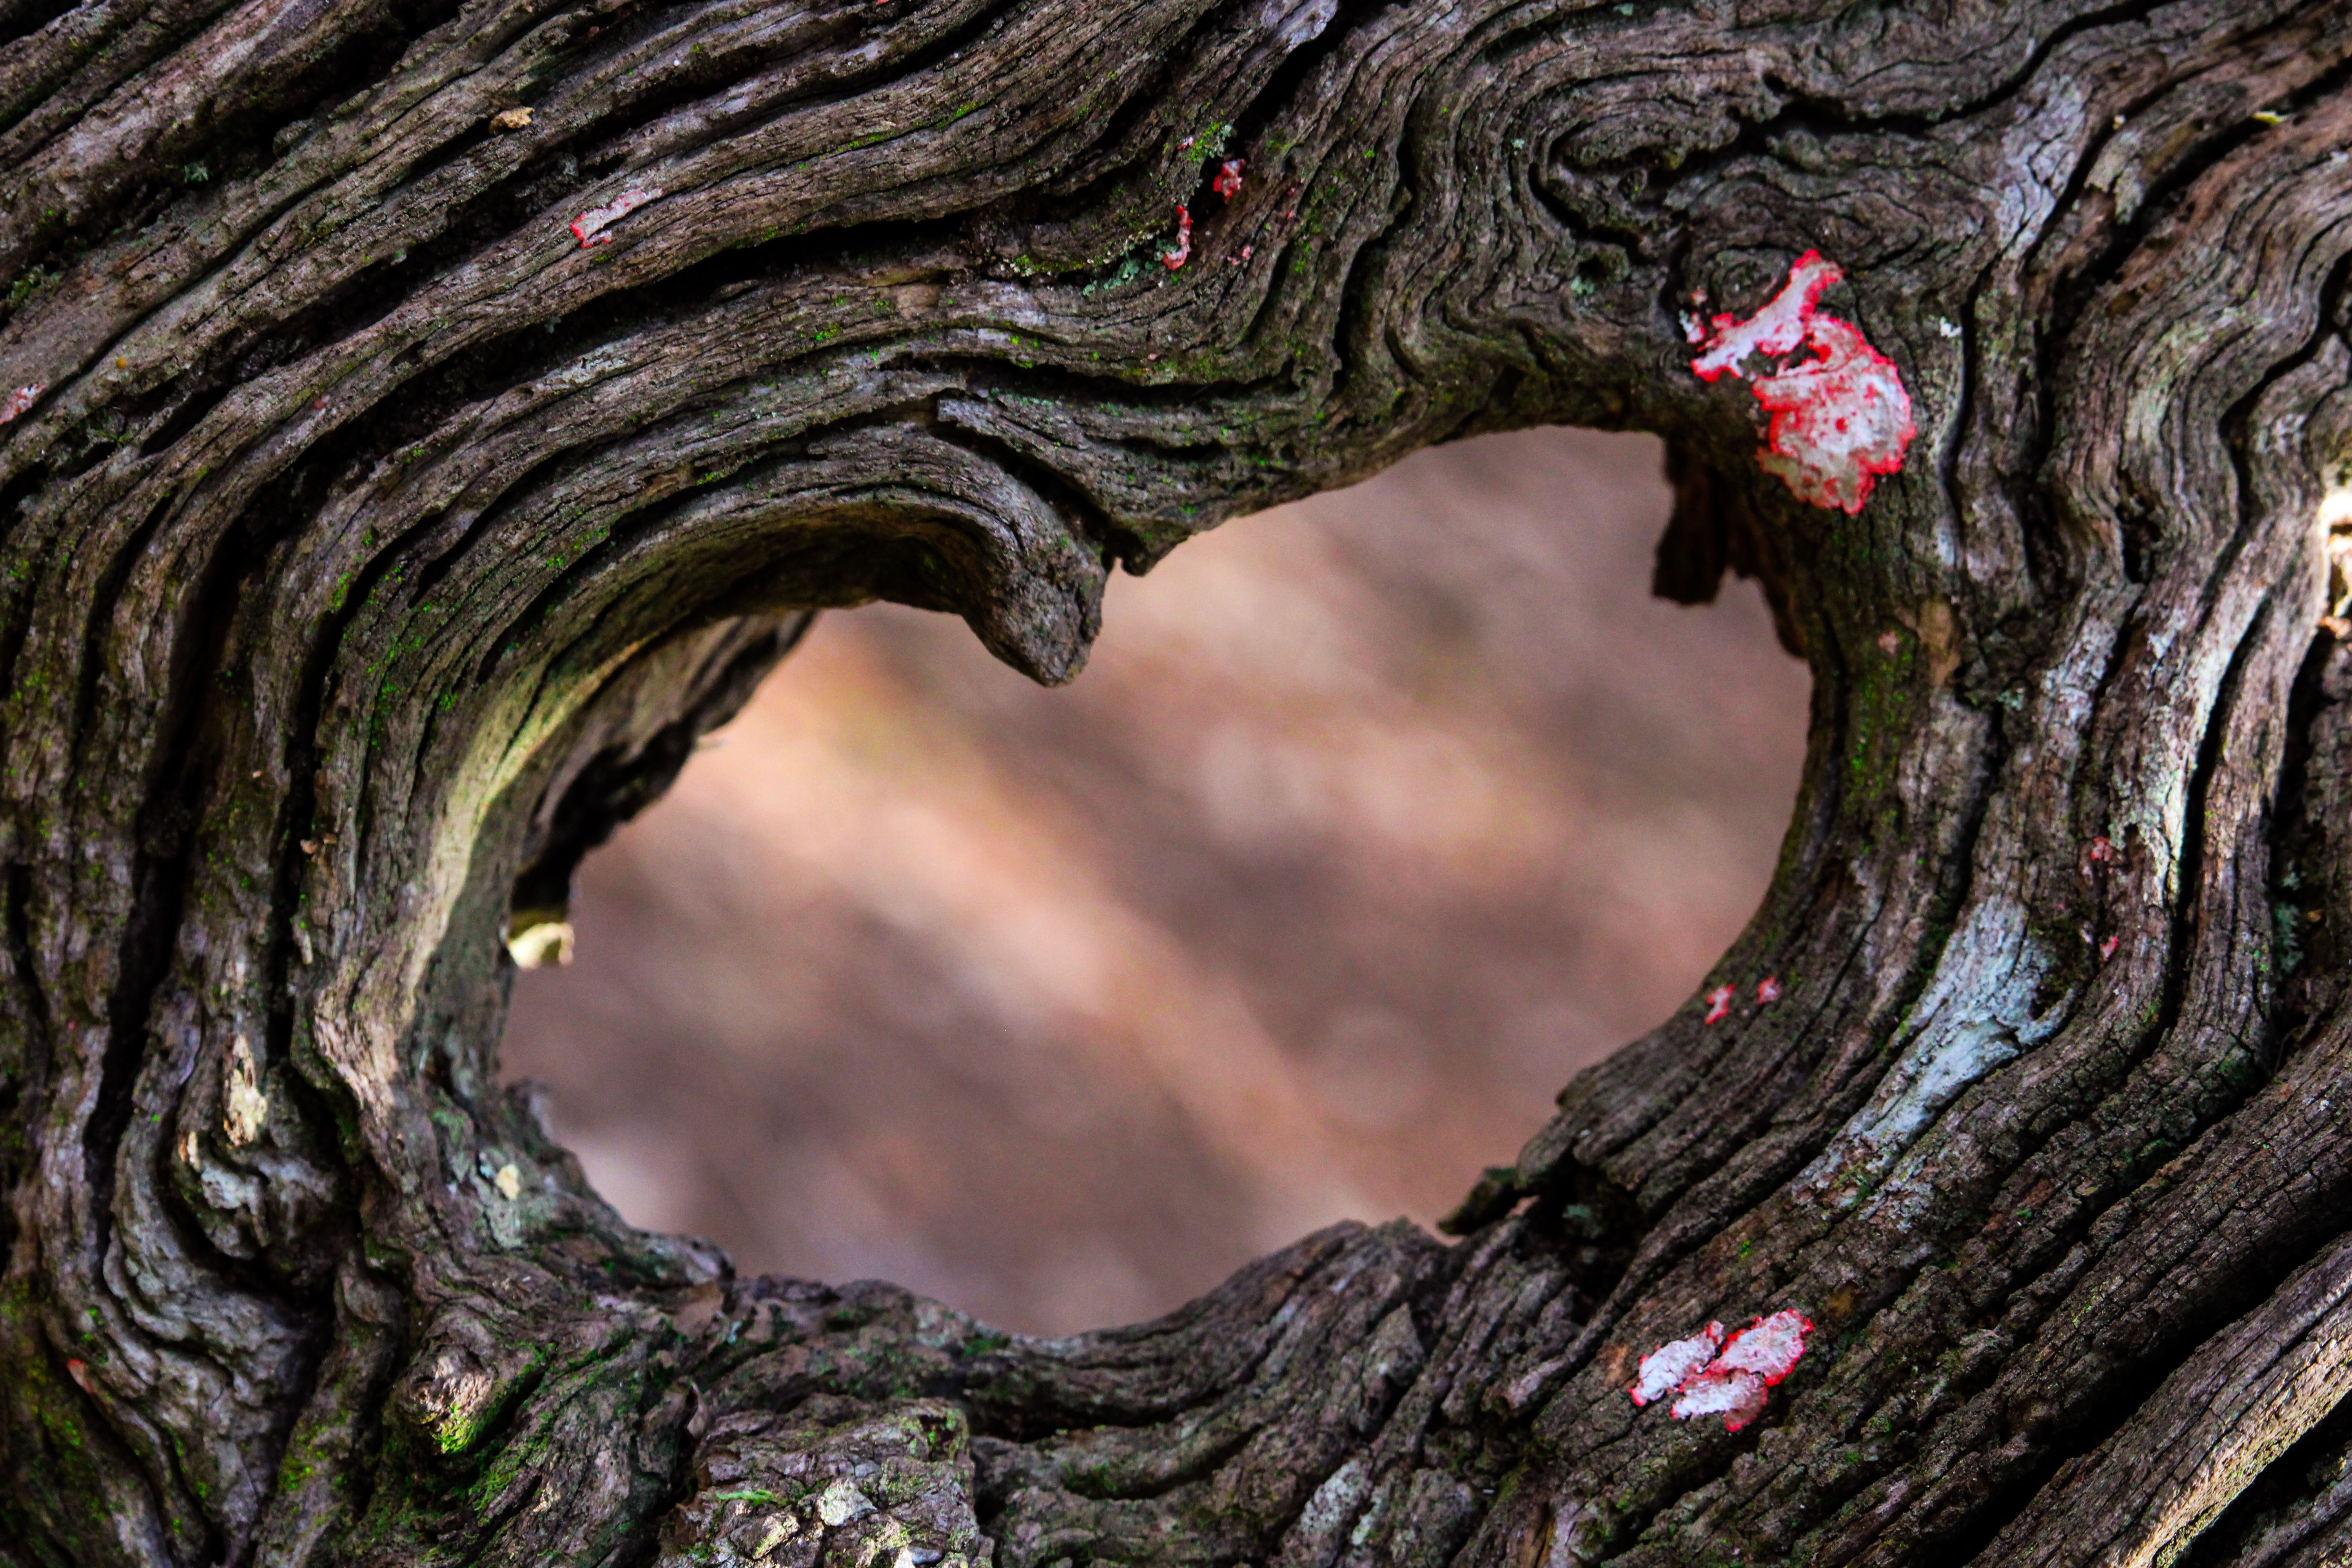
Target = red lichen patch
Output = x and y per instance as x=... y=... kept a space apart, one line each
x=2103 y=849
x=17 y=402
x=1228 y=183
x=1777 y=329
x=589 y=227
x=1183 y=251
x=2108 y=948
x=1672 y=1364
x=1840 y=421
x=1767 y=991
x=1769 y=1347
x=79 y=1373
x=1736 y=1384
x=1737 y=1396
x=1718 y=1005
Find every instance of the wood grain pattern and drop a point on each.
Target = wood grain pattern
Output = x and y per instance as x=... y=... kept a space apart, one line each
x=373 y=538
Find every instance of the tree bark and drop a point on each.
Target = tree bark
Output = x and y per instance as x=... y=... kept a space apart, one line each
x=403 y=480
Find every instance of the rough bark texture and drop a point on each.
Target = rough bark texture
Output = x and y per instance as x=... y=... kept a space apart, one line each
x=372 y=544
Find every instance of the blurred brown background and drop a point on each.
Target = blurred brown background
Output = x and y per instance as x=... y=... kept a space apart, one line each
x=1373 y=818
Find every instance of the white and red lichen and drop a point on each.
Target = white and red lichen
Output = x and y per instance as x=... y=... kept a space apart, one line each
x=2103 y=849
x=1769 y=1347
x=1675 y=1362
x=1777 y=329
x=1840 y=421
x=1228 y=183
x=1767 y=991
x=24 y=397
x=1737 y=1396
x=1735 y=1382
x=1718 y=1005
x=1183 y=251
x=589 y=227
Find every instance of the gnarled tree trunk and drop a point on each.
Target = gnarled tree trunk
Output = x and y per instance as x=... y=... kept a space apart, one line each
x=435 y=415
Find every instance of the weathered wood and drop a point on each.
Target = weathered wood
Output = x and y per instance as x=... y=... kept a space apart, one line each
x=404 y=479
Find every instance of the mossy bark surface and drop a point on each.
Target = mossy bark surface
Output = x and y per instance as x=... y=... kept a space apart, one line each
x=438 y=414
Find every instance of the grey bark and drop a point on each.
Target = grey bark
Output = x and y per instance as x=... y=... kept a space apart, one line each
x=370 y=545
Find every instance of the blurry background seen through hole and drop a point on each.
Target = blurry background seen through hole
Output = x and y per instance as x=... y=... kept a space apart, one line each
x=1372 y=819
